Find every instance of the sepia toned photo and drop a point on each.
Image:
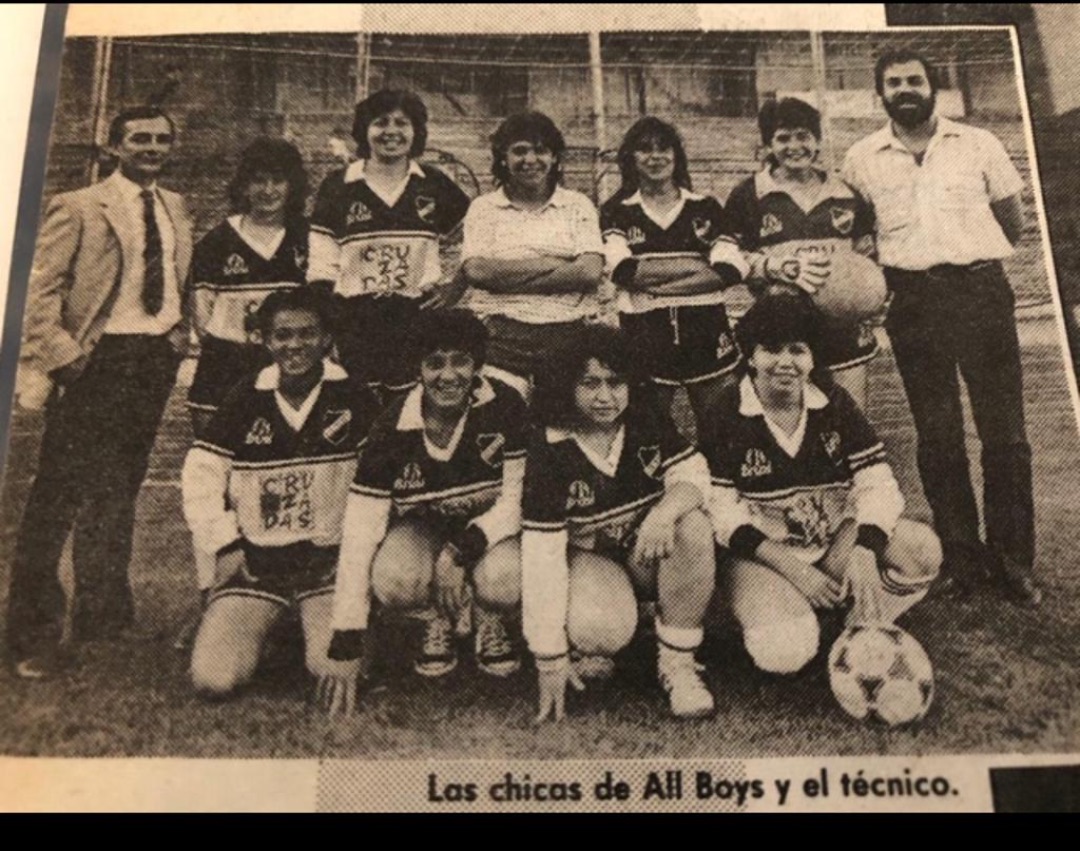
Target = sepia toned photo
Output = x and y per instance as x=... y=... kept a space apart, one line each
x=531 y=414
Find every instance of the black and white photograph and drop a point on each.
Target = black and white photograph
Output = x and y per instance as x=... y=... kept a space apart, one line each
x=644 y=394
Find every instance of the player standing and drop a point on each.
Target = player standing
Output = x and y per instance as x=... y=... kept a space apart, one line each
x=667 y=251
x=375 y=238
x=260 y=248
x=791 y=217
x=804 y=498
x=532 y=251
x=613 y=503
x=437 y=495
x=265 y=490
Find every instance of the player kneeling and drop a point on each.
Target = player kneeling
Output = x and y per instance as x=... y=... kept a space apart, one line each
x=804 y=498
x=436 y=496
x=613 y=503
x=265 y=490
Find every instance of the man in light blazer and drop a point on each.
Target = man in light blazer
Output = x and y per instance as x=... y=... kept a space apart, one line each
x=104 y=335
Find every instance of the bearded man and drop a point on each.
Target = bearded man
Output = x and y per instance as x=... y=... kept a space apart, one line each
x=946 y=198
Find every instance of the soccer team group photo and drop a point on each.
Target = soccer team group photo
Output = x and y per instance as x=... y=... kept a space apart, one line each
x=628 y=394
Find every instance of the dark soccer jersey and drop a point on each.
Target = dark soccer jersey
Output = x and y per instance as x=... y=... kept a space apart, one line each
x=231 y=278
x=365 y=245
x=798 y=499
x=395 y=462
x=700 y=225
x=285 y=485
x=564 y=489
x=762 y=214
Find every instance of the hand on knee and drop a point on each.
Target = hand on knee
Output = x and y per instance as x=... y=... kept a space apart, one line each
x=783 y=647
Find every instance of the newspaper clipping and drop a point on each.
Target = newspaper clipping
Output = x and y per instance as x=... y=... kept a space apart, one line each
x=539 y=408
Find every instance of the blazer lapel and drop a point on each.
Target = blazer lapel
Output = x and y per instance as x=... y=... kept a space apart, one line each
x=121 y=220
x=174 y=206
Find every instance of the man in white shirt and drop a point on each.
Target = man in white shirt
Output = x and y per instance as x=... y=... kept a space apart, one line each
x=104 y=334
x=946 y=198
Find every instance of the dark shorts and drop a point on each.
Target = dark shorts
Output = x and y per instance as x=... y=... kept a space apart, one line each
x=223 y=364
x=372 y=336
x=684 y=345
x=846 y=346
x=522 y=348
x=283 y=575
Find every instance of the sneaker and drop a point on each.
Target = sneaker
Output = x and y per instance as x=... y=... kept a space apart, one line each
x=438 y=657
x=592 y=667
x=680 y=676
x=495 y=651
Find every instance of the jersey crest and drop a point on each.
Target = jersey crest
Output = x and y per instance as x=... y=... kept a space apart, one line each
x=411 y=478
x=358 y=212
x=843 y=220
x=756 y=464
x=831 y=441
x=235 y=265
x=770 y=225
x=701 y=229
x=651 y=459
x=425 y=207
x=635 y=235
x=580 y=495
x=300 y=257
x=725 y=345
x=261 y=433
x=491 y=448
x=336 y=425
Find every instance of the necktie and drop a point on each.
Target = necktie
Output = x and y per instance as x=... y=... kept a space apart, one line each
x=153 y=294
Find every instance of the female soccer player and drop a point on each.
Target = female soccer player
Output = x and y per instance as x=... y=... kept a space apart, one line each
x=265 y=489
x=804 y=498
x=532 y=251
x=792 y=210
x=613 y=503
x=376 y=233
x=669 y=255
x=436 y=496
x=259 y=249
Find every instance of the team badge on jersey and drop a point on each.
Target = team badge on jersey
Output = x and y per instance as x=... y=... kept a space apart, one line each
x=770 y=226
x=650 y=459
x=261 y=433
x=580 y=495
x=725 y=345
x=235 y=265
x=635 y=235
x=411 y=478
x=756 y=464
x=831 y=441
x=843 y=220
x=299 y=258
x=425 y=207
x=491 y=448
x=336 y=425
x=358 y=213
x=701 y=229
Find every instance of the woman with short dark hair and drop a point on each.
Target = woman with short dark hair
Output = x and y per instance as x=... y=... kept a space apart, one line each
x=614 y=505
x=378 y=234
x=532 y=251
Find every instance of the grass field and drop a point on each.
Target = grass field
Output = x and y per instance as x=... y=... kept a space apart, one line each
x=1007 y=679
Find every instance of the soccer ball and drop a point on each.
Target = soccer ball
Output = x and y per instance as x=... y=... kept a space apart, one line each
x=880 y=671
x=855 y=290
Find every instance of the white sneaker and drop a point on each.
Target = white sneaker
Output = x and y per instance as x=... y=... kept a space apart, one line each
x=495 y=651
x=592 y=667
x=438 y=656
x=680 y=676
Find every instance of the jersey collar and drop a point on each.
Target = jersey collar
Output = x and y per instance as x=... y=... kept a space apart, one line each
x=750 y=404
x=412 y=417
x=833 y=187
x=270 y=377
x=608 y=465
x=684 y=195
x=357 y=171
